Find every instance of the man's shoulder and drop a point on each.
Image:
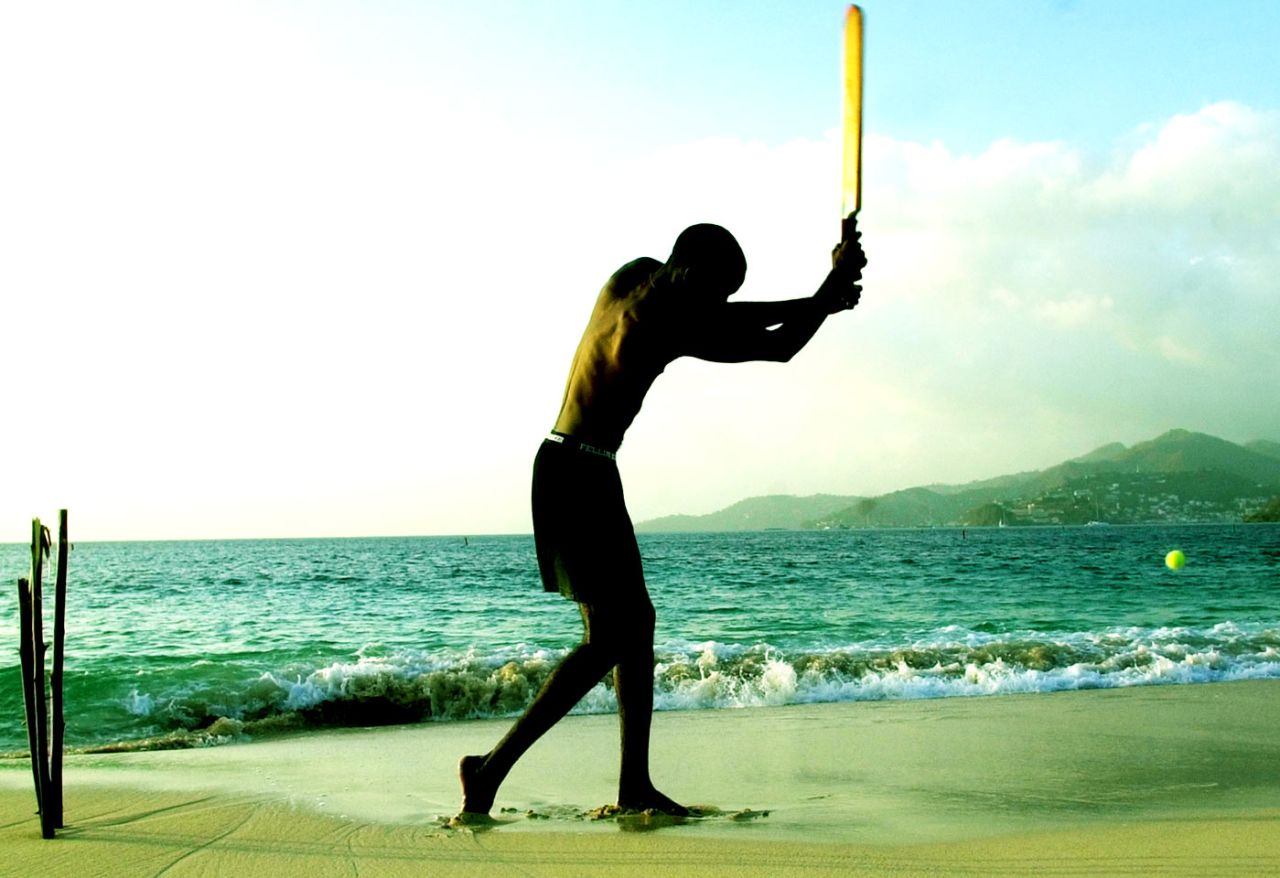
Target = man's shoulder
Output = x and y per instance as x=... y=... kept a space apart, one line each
x=633 y=274
x=646 y=264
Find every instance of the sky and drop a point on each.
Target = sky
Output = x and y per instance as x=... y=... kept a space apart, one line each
x=318 y=269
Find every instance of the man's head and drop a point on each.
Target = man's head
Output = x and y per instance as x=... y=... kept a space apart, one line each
x=708 y=258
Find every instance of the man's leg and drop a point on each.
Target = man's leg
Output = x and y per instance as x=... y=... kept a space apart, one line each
x=573 y=678
x=633 y=684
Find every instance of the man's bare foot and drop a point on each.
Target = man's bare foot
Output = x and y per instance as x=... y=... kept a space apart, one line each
x=477 y=796
x=467 y=820
x=649 y=799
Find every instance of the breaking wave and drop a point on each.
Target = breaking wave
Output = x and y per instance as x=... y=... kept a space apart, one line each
x=953 y=661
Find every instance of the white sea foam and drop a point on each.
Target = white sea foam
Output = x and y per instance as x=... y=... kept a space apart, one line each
x=382 y=686
x=139 y=704
x=960 y=662
x=372 y=691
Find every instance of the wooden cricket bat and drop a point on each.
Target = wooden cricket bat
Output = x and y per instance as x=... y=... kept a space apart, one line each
x=851 y=188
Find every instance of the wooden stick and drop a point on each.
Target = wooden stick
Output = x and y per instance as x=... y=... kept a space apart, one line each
x=55 y=679
x=37 y=678
x=26 y=642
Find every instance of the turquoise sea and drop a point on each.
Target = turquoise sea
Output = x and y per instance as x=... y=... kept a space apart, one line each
x=192 y=643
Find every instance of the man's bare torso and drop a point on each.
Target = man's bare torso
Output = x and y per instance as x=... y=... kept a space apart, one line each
x=650 y=313
x=624 y=349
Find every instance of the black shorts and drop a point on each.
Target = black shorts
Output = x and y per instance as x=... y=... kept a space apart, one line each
x=586 y=544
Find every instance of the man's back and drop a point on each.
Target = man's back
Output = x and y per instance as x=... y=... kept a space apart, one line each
x=623 y=350
x=649 y=313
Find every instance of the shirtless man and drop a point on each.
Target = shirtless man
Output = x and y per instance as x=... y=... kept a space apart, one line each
x=648 y=314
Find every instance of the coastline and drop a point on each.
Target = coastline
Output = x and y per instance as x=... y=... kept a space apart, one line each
x=1175 y=779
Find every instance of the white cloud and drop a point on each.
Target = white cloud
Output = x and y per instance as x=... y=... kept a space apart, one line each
x=1175 y=350
x=1200 y=160
x=1075 y=310
x=1022 y=305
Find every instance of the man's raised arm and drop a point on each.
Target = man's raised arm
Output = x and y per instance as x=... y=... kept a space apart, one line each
x=741 y=331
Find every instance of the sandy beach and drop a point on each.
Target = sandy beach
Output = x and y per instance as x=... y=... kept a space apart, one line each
x=1168 y=780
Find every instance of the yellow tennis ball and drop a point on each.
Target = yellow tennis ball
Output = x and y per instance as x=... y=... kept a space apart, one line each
x=1175 y=559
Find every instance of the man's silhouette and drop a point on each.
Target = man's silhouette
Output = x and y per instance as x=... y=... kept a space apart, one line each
x=648 y=314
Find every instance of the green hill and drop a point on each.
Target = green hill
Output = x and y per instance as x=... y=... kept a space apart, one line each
x=1174 y=452
x=1265 y=448
x=1176 y=477
x=754 y=513
x=1270 y=512
x=1183 y=451
x=1107 y=452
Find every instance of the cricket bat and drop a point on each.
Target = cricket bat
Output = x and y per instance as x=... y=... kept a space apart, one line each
x=851 y=183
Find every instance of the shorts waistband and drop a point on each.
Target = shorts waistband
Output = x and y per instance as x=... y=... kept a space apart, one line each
x=570 y=442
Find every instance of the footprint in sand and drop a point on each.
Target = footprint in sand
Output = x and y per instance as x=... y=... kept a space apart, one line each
x=655 y=819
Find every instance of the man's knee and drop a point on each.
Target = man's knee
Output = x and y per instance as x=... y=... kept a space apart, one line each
x=620 y=625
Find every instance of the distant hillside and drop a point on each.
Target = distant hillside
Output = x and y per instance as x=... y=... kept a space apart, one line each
x=1110 y=451
x=1178 y=476
x=1172 y=452
x=1263 y=447
x=1270 y=512
x=1184 y=451
x=914 y=507
x=755 y=513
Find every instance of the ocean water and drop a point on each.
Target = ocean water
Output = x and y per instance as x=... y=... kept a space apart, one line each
x=190 y=643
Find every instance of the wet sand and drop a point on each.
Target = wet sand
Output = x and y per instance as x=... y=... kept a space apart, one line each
x=1171 y=780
